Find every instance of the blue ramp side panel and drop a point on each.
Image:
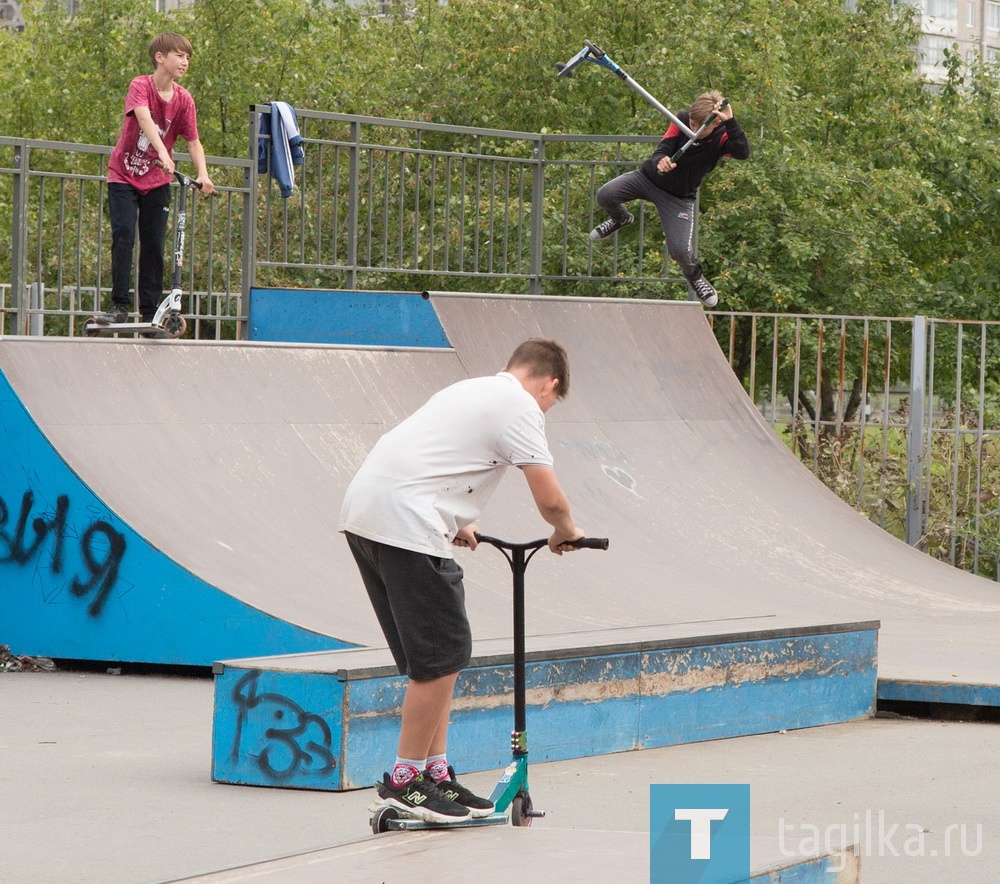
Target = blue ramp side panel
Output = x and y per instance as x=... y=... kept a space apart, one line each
x=278 y=729
x=78 y=583
x=843 y=866
x=307 y=316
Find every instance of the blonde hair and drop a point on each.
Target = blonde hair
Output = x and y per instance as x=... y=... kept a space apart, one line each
x=702 y=106
x=169 y=43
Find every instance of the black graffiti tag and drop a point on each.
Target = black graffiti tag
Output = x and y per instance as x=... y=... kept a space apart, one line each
x=16 y=551
x=102 y=548
x=103 y=573
x=286 y=750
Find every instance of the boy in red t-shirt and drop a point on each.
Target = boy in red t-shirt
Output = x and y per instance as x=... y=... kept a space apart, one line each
x=157 y=111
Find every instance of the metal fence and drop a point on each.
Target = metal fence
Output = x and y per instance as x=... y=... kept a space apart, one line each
x=898 y=416
x=53 y=202
x=378 y=203
x=389 y=204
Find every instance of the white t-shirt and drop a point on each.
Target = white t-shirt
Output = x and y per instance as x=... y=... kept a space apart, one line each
x=435 y=472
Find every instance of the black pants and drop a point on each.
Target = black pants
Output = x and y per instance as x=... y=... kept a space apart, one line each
x=148 y=212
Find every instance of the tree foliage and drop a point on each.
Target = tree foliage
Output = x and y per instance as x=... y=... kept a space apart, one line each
x=868 y=192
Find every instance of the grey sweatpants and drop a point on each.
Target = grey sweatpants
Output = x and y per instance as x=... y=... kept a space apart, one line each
x=676 y=215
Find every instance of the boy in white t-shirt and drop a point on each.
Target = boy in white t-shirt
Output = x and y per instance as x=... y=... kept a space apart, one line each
x=418 y=493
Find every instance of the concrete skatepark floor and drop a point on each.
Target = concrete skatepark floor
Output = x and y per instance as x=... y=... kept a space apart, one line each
x=106 y=779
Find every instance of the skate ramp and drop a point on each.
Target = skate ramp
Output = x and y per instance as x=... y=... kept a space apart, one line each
x=713 y=517
x=226 y=463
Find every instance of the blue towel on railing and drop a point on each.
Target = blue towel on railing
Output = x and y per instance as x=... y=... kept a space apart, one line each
x=279 y=148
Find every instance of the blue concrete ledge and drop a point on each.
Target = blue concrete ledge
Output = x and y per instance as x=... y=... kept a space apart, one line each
x=331 y=721
x=938 y=692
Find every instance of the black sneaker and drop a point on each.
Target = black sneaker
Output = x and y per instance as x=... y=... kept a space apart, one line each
x=453 y=789
x=156 y=334
x=606 y=228
x=115 y=315
x=702 y=289
x=422 y=799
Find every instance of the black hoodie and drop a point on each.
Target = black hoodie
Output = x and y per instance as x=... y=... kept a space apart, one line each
x=727 y=140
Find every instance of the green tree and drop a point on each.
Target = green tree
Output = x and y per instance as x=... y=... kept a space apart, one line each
x=867 y=192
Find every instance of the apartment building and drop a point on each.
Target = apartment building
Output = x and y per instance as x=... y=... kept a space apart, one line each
x=972 y=25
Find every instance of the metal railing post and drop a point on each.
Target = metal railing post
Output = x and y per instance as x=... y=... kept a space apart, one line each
x=537 y=218
x=19 y=233
x=353 y=205
x=248 y=264
x=36 y=304
x=915 y=434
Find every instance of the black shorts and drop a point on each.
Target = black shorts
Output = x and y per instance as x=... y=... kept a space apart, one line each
x=420 y=604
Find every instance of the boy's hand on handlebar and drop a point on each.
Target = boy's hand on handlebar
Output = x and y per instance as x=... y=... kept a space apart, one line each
x=205 y=183
x=560 y=541
x=165 y=162
x=466 y=537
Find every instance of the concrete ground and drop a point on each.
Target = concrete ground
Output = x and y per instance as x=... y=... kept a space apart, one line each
x=106 y=779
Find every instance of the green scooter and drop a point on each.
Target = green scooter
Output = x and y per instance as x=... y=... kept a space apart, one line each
x=512 y=789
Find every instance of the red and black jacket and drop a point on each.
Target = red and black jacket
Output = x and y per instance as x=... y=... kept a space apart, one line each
x=728 y=140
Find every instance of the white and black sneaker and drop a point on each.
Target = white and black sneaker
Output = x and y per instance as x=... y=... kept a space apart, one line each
x=423 y=799
x=453 y=789
x=606 y=228
x=702 y=289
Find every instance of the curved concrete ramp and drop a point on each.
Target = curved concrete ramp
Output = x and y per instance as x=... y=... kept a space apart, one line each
x=712 y=517
x=225 y=464
x=214 y=476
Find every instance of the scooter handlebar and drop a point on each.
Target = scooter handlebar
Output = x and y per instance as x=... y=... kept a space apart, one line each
x=185 y=180
x=580 y=543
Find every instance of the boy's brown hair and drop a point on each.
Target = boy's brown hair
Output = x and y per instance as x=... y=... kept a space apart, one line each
x=169 y=43
x=543 y=358
x=702 y=106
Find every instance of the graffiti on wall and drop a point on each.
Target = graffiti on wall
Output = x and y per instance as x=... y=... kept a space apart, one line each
x=43 y=538
x=284 y=740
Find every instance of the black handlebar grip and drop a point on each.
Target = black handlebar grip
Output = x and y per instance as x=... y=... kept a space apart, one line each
x=591 y=543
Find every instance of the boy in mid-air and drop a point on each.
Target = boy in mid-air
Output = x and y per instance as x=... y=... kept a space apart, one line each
x=673 y=187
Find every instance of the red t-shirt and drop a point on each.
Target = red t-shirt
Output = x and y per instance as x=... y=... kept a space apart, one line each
x=132 y=160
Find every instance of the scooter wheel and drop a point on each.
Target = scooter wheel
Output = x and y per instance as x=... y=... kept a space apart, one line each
x=520 y=810
x=174 y=325
x=89 y=330
x=381 y=817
